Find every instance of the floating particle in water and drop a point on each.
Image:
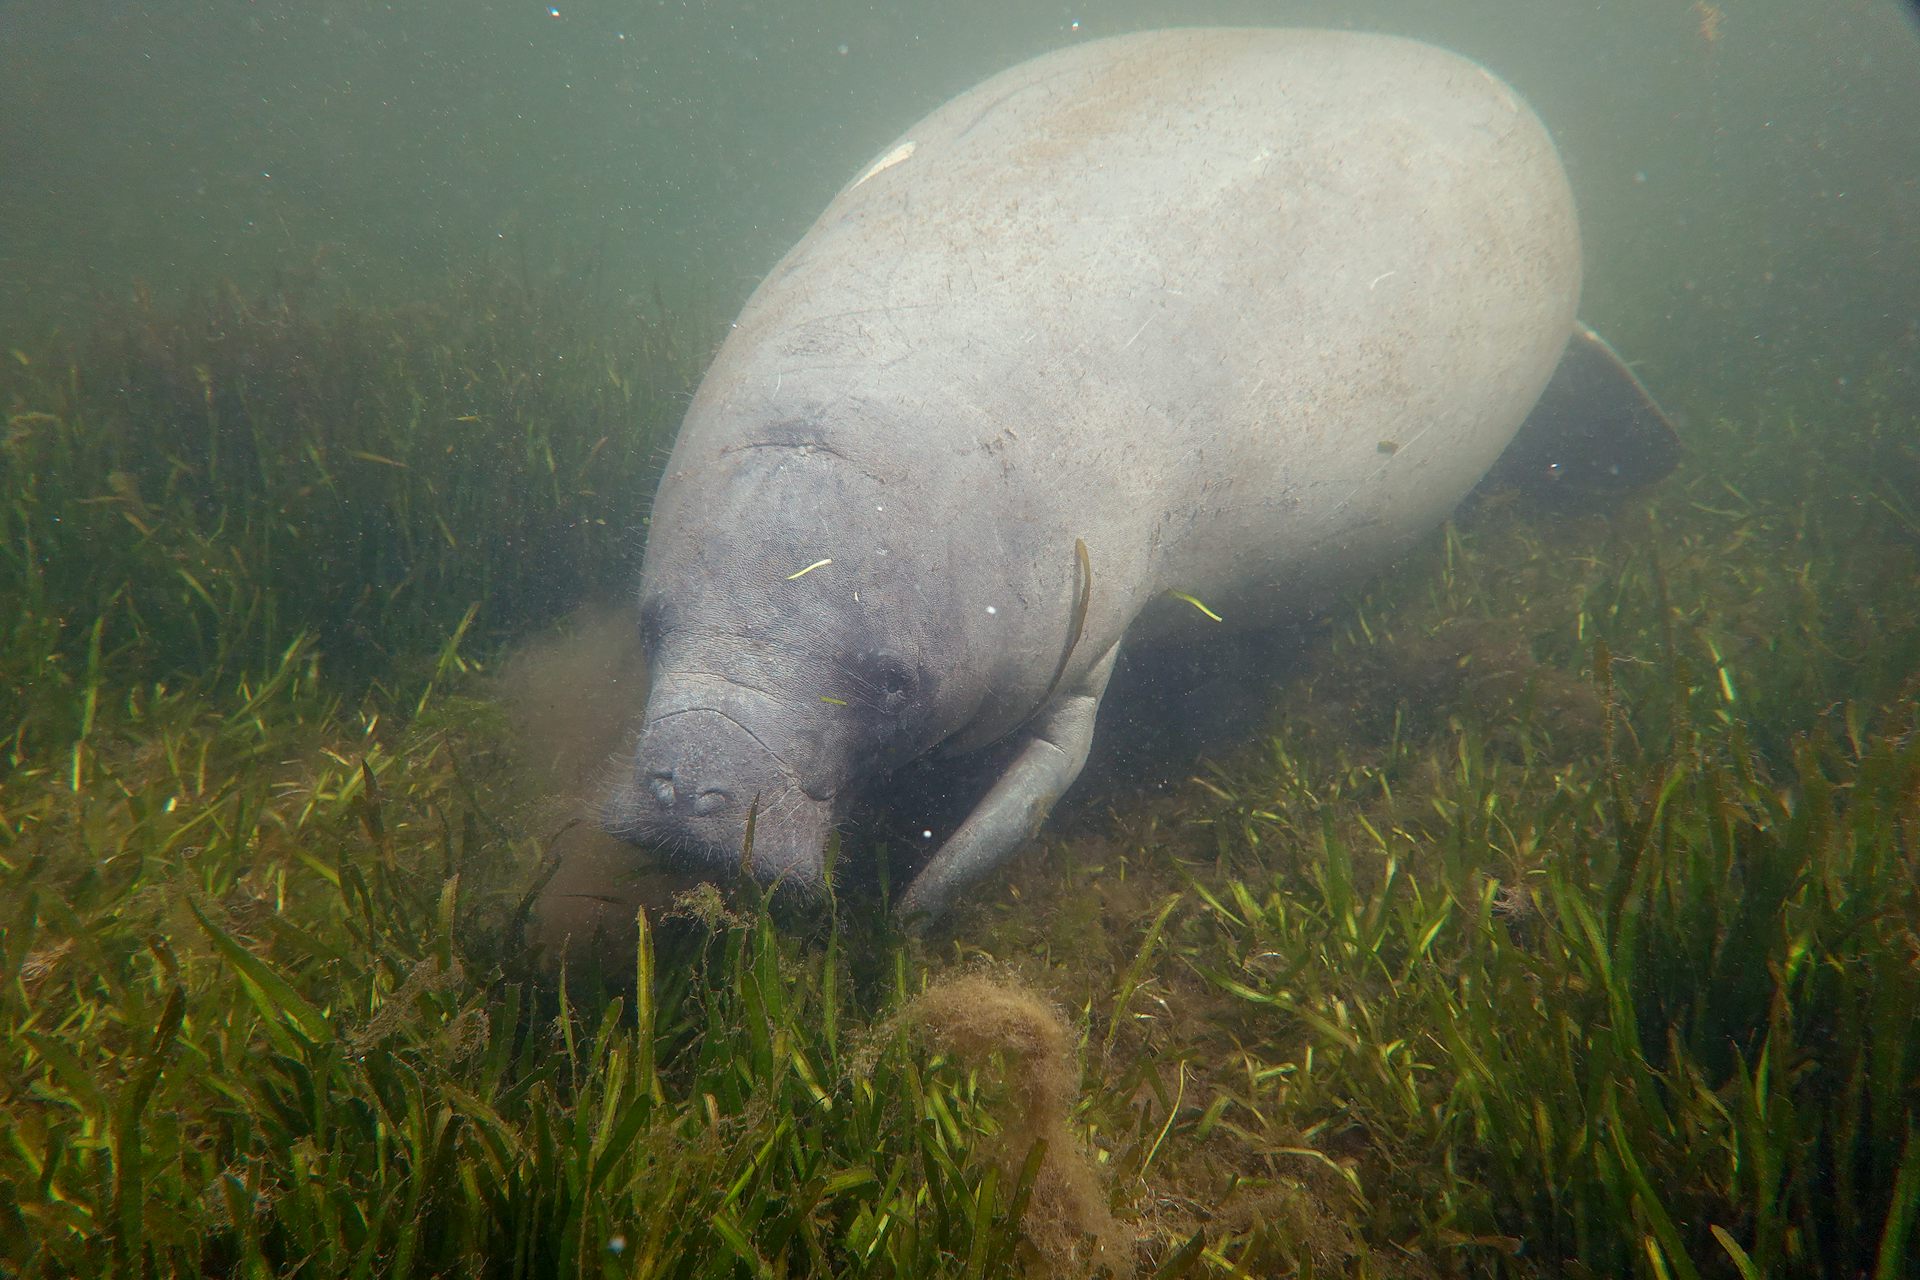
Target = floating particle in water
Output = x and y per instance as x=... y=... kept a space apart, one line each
x=1711 y=17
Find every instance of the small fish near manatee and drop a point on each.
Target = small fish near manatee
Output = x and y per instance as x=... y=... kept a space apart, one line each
x=1151 y=330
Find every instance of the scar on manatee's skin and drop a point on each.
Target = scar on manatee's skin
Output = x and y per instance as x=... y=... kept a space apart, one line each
x=1079 y=620
x=1181 y=595
x=887 y=161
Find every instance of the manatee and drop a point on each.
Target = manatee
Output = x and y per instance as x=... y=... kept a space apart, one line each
x=1139 y=340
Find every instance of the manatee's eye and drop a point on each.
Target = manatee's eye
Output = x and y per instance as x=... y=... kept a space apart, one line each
x=896 y=683
x=888 y=682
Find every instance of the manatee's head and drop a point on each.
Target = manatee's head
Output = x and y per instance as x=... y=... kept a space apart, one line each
x=792 y=657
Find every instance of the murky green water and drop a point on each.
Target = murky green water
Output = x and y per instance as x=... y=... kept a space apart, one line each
x=1745 y=171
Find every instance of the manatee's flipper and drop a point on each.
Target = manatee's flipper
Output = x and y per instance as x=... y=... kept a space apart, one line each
x=1050 y=758
x=1595 y=436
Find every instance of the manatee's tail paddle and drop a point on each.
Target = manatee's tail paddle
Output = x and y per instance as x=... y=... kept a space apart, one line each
x=1594 y=436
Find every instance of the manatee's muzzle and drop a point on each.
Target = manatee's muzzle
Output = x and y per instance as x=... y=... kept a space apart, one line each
x=696 y=776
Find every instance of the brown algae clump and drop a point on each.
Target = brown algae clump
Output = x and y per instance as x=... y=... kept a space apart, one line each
x=974 y=1017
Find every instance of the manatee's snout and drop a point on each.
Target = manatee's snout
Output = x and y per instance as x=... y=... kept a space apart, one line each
x=696 y=776
x=677 y=795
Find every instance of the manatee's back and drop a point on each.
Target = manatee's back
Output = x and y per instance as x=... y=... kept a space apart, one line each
x=1240 y=309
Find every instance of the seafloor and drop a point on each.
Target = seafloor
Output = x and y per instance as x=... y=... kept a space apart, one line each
x=1562 y=918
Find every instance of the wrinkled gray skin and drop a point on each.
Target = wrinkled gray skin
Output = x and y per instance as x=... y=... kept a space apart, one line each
x=1242 y=312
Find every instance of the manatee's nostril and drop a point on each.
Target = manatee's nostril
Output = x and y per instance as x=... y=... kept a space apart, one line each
x=712 y=800
x=661 y=780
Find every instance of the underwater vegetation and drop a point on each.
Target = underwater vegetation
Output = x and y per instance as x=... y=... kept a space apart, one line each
x=191 y=492
x=1565 y=921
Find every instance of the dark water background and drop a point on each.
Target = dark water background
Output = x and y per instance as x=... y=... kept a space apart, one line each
x=1748 y=171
